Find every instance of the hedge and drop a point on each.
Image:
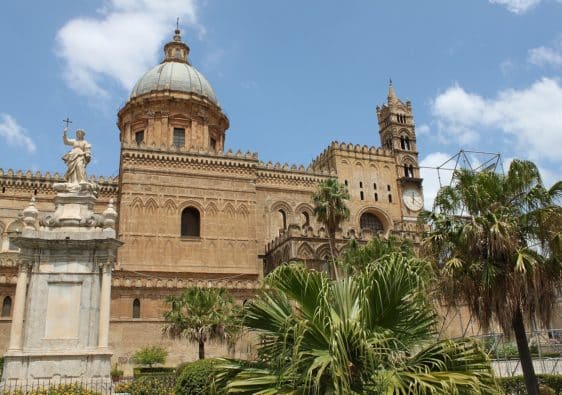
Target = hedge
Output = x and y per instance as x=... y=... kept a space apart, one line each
x=158 y=371
x=195 y=377
x=148 y=385
x=516 y=385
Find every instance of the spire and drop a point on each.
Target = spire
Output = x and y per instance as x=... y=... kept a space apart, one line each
x=176 y=50
x=391 y=94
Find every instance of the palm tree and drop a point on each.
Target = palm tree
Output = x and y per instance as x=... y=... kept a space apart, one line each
x=496 y=241
x=330 y=209
x=368 y=333
x=201 y=314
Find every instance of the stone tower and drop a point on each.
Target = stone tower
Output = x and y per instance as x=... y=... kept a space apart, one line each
x=397 y=133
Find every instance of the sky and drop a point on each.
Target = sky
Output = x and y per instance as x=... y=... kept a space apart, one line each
x=292 y=76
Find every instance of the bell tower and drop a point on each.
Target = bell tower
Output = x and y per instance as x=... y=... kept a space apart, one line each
x=397 y=133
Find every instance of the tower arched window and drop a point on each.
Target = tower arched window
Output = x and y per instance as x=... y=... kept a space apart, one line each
x=136 y=308
x=306 y=219
x=190 y=222
x=371 y=222
x=402 y=143
x=407 y=143
x=283 y=219
x=7 y=306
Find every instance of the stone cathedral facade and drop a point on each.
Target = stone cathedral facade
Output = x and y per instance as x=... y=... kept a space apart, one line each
x=191 y=213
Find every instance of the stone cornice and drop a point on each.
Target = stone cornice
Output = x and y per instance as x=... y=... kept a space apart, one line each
x=166 y=280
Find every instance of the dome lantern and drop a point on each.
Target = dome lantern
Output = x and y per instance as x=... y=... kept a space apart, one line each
x=176 y=50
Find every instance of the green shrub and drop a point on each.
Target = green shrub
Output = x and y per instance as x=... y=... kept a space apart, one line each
x=148 y=385
x=516 y=385
x=150 y=355
x=195 y=377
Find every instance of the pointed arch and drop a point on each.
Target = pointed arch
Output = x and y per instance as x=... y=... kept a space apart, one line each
x=305 y=251
x=229 y=210
x=150 y=207
x=211 y=209
x=280 y=205
x=243 y=211
x=136 y=203
x=170 y=207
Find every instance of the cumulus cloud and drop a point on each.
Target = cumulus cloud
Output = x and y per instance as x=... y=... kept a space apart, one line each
x=431 y=177
x=544 y=56
x=530 y=117
x=14 y=134
x=121 y=43
x=517 y=6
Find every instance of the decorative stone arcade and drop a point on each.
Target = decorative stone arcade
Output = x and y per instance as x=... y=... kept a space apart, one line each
x=60 y=322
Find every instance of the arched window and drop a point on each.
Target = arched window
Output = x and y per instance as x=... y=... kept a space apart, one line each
x=136 y=308
x=190 y=222
x=306 y=219
x=283 y=219
x=371 y=222
x=407 y=143
x=7 y=306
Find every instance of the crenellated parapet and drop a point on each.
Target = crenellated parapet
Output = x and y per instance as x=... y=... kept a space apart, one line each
x=28 y=182
x=290 y=175
x=326 y=158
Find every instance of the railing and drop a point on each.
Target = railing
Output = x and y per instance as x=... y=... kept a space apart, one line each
x=62 y=386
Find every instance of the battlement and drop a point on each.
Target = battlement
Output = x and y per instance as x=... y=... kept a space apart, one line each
x=352 y=149
x=27 y=181
x=253 y=156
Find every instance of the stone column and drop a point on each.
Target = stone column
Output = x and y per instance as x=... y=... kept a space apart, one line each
x=16 y=332
x=105 y=303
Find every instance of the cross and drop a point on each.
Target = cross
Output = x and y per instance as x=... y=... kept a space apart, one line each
x=178 y=23
x=67 y=121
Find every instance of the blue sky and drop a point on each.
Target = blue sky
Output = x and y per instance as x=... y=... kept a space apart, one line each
x=293 y=75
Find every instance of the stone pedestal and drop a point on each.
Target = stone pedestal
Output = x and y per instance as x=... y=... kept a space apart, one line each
x=61 y=311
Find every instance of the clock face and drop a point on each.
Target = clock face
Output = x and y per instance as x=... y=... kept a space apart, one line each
x=413 y=199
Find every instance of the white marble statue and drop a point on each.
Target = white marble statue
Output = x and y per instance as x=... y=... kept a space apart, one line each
x=77 y=158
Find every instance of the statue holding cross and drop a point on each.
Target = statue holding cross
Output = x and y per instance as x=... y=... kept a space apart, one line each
x=77 y=158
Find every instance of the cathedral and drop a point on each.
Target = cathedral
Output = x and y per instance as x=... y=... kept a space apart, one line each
x=193 y=214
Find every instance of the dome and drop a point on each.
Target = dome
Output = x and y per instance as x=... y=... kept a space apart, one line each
x=175 y=76
x=175 y=73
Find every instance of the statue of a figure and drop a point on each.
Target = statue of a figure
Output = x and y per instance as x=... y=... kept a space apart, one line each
x=78 y=158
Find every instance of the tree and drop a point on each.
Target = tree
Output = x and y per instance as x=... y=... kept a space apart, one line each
x=330 y=209
x=201 y=314
x=496 y=242
x=369 y=333
x=150 y=355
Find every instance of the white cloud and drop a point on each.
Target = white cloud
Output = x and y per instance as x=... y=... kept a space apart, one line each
x=517 y=6
x=431 y=177
x=14 y=134
x=121 y=43
x=422 y=129
x=543 y=56
x=531 y=117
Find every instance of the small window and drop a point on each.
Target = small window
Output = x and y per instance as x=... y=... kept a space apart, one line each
x=376 y=197
x=136 y=308
x=179 y=137
x=388 y=188
x=407 y=143
x=360 y=184
x=190 y=222
x=139 y=136
x=306 y=219
x=362 y=196
x=283 y=219
x=389 y=198
x=3 y=189
x=178 y=54
x=213 y=143
x=375 y=186
x=345 y=182
x=7 y=306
